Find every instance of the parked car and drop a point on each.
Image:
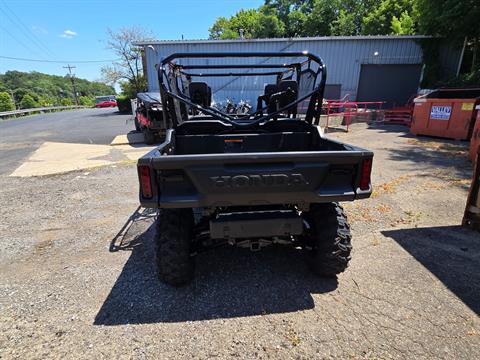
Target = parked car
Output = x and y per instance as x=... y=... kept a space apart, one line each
x=105 y=101
x=249 y=180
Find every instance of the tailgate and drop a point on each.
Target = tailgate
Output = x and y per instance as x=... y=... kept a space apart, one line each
x=255 y=178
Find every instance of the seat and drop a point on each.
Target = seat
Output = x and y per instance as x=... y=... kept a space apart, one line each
x=291 y=89
x=200 y=93
x=286 y=93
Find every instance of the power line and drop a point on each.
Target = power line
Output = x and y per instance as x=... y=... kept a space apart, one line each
x=58 y=61
x=28 y=48
x=26 y=31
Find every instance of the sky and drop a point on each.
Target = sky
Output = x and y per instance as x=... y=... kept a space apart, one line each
x=72 y=31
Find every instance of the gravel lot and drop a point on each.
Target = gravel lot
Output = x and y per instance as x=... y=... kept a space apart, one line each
x=77 y=278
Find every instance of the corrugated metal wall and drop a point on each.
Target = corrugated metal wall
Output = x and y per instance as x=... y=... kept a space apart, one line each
x=343 y=56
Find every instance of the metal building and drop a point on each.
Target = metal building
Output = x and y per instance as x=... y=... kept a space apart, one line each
x=366 y=68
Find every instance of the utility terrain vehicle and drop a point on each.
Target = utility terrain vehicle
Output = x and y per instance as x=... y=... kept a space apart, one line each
x=251 y=180
x=149 y=116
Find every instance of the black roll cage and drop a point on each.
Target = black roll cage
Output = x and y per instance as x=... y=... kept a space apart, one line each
x=170 y=68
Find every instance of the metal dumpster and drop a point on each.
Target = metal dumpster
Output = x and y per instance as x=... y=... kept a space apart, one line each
x=448 y=113
x=475 y=140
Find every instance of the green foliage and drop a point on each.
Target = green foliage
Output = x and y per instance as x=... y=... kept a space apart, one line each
x=319 y=19
x=291 y=18
x=344 y=24
x=49 y=89
x=66 y=102
x=455 y=20
x=254 y=23
x=86 y=101
x=470 y=79
x=389 y=16
x=124 y=104
x=28 y=102
x=295 y=23
x=450 y=18
x=130 y=89
x=403 y=26
x=458 y=22
x=6 y=102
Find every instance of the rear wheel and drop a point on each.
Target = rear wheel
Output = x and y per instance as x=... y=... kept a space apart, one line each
x=149 y=136
x=174 y=232
x=329 y=238
x=137 y=124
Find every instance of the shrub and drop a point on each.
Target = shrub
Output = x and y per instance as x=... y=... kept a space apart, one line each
x=124 y=105
x=6 y=102
x=28 y=102
x=66 y=102
x=86 y=101
x=45 y=101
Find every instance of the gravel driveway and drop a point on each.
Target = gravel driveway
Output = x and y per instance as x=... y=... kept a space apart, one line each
x=77 y=277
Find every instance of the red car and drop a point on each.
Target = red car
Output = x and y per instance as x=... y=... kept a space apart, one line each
x=105 y=101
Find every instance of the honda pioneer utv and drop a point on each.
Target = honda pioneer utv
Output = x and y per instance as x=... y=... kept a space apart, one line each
x=251 y=180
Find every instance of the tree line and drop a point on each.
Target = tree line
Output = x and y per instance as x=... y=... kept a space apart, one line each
x=22 y=90
x=455 y=20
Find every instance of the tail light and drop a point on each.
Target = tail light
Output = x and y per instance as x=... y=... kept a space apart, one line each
x=145 y=181
x=365 y=175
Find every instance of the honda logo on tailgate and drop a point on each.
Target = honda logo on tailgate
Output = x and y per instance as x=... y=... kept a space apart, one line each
x=260 y=180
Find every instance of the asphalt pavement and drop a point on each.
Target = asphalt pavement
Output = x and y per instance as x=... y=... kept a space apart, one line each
x=22 y=136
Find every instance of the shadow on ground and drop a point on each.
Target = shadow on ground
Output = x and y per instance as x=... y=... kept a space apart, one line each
x=431 y=152
x=451 y=253
x=390 y=128
x=229 y=282
x=448 y=158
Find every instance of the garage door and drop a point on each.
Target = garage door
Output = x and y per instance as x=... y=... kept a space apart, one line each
x=393 y=84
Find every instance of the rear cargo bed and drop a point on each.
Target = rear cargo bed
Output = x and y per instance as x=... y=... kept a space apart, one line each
x=254 y=178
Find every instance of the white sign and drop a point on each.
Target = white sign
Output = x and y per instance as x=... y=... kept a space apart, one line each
x=440 y=112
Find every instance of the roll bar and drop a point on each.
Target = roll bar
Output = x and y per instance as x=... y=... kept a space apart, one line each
x=316 y=95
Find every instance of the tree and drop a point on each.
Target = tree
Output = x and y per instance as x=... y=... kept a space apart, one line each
x=6 y=102
x=255 y=24
x=28 y=102
x=128 y=67
x=403 y=26
x=130 y=89
x=323 y=13
x=455 y=20
x=344 y=24
x=295 y=25
x=387 y=16
x=48 y=90
x=293 y=18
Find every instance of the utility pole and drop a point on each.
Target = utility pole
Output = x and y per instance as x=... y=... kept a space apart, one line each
x=13 y=98
x=72 y=79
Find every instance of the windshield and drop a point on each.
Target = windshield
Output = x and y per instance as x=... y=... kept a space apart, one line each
x=241 y=88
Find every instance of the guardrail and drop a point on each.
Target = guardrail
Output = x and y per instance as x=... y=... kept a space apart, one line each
x=39 y=109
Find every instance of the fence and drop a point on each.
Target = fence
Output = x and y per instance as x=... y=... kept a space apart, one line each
x=36 y=110
x=352 y=111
